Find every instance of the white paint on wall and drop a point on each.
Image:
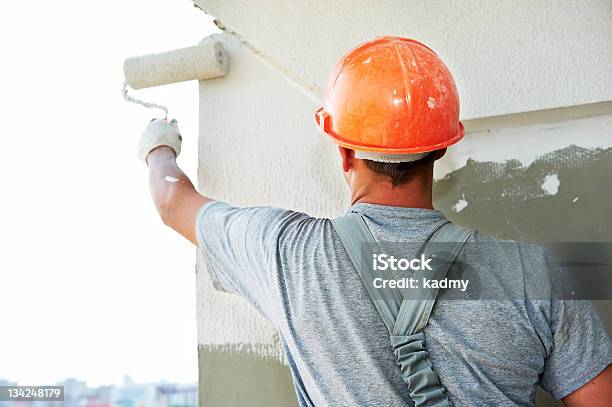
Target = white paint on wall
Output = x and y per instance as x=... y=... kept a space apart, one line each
x=551 y=184
x=461 y=204
x=506 y=56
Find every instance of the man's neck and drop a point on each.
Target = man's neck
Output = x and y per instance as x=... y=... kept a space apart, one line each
x=414 y=194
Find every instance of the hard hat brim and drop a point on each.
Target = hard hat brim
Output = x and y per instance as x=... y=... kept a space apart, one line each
x=411 y=150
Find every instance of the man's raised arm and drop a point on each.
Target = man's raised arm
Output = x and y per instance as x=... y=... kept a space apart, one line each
x=175 y=197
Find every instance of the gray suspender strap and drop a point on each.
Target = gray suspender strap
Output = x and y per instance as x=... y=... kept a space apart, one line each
x=405 y=317
x=443 y=247
x=360 y=246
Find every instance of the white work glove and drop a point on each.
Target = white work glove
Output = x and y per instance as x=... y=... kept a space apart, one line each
x=158 y=133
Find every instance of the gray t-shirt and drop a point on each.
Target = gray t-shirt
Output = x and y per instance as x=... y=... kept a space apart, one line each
x=295 y=271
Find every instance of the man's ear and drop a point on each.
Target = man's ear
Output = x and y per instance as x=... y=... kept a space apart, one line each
x=437 y=154
x=348 y=156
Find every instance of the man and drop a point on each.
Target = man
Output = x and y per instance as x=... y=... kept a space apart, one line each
x=392 y=107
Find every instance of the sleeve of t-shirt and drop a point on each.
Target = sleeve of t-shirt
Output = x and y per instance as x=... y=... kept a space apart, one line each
x=579 y=347
x=240 y=250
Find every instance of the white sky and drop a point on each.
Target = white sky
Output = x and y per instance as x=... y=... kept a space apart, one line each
x=92 y=284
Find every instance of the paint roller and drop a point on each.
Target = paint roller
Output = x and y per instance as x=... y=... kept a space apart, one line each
x=207 y=60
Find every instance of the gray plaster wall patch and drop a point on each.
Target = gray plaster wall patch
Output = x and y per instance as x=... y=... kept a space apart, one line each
x=565 y=195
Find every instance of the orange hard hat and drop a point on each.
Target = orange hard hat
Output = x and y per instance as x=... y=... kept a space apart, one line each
x=391 y=99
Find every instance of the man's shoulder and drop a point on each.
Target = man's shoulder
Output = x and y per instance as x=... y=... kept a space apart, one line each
x=290 y=224
x=260 y=212
x=508 y=256
x=519 y=247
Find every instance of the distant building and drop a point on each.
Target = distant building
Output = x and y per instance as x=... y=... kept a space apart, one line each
x=177 y=395
x=131 y=394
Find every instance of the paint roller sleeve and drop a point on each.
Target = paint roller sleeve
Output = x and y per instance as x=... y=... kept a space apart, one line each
x=207 y=60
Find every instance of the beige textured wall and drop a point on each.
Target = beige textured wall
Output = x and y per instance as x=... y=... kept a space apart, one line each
x=508 y=56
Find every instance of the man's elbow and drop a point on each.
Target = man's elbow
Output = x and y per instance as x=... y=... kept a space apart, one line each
x=177 y=204
x=165 y=215
x=166 y=206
